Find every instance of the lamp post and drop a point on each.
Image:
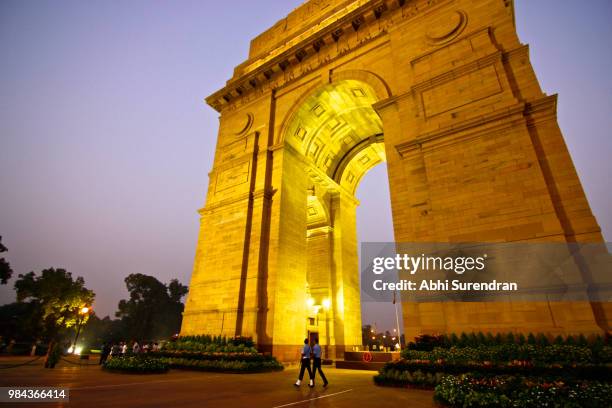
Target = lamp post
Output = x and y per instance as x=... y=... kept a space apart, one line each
x=81 y=314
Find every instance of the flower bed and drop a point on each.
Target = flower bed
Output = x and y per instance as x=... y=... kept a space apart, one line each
x=516 y=367
x=136 y=365
x=506 y=370
x=571 y=362
x=408 y=378
x=216 y=353
x=473 y=390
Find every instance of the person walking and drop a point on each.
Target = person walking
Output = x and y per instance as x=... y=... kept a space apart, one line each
x=106 y=349
x=115 y=351
x=316 y=365
x=305 y=365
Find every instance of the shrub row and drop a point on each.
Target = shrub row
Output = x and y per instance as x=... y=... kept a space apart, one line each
x=474 y=390
x=390 y=370
x=219 y=340
x=136 y=365
x=189 y=346
x=225 y=366
x=565 y=355
x=191 y=355
x=428 y=342
x=408 y=378
x=212 y=344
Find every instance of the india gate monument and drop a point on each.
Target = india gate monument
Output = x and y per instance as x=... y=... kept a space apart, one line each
x=442 y=91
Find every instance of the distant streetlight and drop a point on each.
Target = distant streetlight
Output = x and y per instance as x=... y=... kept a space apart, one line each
x=80 y=316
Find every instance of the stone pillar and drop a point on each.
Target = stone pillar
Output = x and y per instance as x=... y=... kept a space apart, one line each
x=346 y=301
x=320 y=263
x=287 y=257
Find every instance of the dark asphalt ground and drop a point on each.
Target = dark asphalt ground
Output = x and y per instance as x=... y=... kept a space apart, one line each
x=91 y=387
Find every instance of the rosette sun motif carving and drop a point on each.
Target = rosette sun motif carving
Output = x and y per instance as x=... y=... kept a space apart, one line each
x=446 y=28
x=244 y=124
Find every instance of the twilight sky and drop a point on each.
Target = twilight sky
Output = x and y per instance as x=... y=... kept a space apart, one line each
x=105 y=141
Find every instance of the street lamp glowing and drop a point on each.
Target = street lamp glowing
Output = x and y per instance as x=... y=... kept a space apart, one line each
x=79 y=322
x=326 y=304
x=310 y=302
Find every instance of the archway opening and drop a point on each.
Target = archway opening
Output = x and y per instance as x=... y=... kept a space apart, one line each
x=375 y=224
x=338 y=137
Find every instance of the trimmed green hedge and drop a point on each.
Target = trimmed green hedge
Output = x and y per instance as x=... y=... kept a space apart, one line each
x=473 y=390
x=244 y=356
x=136 y=365
x=226 y=366
x=212 y=344
x=427 y=342
x=534 y=354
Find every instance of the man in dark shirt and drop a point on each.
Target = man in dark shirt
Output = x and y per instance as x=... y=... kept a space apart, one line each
x=316 y=352
x=305 y=365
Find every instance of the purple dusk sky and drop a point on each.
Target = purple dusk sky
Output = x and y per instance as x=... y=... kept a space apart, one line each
x=106 y=141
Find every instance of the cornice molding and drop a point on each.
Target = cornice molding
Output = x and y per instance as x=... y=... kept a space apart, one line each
x=295 y=60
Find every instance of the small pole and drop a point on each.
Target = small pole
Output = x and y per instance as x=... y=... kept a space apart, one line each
x=399 y=333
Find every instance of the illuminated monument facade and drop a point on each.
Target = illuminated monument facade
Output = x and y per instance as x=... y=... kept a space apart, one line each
x=444 y=92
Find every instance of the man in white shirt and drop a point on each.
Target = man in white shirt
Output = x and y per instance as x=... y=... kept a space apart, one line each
x=305 y=365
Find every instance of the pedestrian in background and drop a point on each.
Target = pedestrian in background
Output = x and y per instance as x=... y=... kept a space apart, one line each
x=106 y=349
x=305 y=365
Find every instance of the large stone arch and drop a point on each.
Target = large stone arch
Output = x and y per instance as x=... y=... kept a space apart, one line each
x=382 y=89
x=473 y=151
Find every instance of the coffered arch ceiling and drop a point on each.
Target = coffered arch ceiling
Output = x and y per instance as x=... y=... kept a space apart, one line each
x=338 y=131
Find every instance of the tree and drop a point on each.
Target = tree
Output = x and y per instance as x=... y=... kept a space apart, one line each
x=5 y=268
x=20 y=321
x=153 y=309
x=98 y=331
x=57 y=296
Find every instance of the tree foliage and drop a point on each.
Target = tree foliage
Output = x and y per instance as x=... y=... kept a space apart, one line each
x=153 y=309
x=57 y=296
x=20 y=321
x=5 y=268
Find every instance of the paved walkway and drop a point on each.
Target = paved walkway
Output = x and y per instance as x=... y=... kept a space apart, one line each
x=90 y=387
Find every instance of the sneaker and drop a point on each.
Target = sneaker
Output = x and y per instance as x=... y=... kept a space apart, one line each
x=297 y=383
x=311 y=384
